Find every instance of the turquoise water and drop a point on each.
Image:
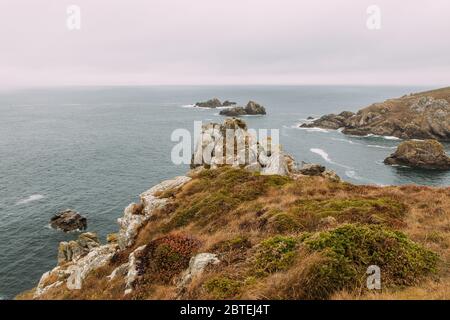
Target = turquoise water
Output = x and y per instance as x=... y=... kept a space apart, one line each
x=95 y=149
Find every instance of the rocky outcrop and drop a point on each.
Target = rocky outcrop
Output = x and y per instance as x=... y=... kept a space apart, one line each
x=68 y=220
x=330 y=121
x=417 y=116
x=136 y=214
x=227 y=103
x=232 y=144
x=73 y=250
x=133 y=271
x=427 y=154
x=252 y=108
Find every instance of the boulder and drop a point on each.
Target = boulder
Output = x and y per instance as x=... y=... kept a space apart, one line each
x=197 y=264
x=312 y=169
x=253 y=108
x=68 y=220
x=427 y=154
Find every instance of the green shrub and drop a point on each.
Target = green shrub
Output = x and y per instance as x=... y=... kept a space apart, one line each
x=351 y=248
x=223 y=287
x=274 y=254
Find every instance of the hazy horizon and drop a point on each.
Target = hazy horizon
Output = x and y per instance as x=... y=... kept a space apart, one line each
x=203 y=42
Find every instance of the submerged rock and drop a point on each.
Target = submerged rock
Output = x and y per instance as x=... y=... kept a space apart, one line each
x=427 y=154
x=68 y=220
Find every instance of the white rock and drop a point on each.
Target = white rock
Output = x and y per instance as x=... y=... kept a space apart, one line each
x=132 y=270
x=121 y=270
x=197 y=264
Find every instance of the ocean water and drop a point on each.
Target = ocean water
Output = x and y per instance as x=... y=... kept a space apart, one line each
x=95 y=149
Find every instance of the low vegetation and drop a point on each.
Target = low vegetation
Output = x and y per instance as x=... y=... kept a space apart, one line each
x=281 y=238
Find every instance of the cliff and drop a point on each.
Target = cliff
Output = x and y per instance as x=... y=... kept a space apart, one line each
x=265 y=229
x=424 y=115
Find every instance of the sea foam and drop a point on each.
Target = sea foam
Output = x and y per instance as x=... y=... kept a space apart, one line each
x=34 y=197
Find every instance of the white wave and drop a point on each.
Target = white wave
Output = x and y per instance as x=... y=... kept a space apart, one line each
x=391 y=138
x=380 y=147
x=345 y=140
x=321 y=153
x=352 y=174
x=31 y=198
x=189 y=106
x=313 y=129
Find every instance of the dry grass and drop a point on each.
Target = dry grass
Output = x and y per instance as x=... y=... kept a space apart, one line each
x=231 y=213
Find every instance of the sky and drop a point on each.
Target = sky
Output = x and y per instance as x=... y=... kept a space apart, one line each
x=286 y=42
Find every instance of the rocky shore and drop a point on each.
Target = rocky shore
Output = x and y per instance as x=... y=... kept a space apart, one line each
x=424 y=115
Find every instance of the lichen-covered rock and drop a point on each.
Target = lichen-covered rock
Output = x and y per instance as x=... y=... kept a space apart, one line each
x=121 y=270
x=73 y=250
x=132 y=272
x=427 y=154
x=68 y=220
x=197 y=264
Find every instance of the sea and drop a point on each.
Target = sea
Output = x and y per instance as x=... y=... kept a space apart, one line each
x=95 y=149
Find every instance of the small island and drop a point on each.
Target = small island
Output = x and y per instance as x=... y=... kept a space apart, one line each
x=427 y=154
x=214 y=103
x=252 y=108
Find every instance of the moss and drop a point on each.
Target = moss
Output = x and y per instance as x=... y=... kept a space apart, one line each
x=223 y=287
x=351 y=248
x=274 y=254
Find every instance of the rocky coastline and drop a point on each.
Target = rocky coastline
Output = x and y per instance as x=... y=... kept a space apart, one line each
x=424 y=115
x=245 y=229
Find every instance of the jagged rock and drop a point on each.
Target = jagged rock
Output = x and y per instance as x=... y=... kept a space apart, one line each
x=427 y=154
x=252 y=108
x=75 y=270
x=227 y=103
x=330 y=121
x=312 y=169
x=73 y=250
x=212 y=103
x=68 y=220
x=132 y=272
x=418 y=116
x=331 y=175
x=136 y=214
x=196 y=266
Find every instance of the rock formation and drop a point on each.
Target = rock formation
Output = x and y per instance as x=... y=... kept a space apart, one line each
x=252 y=108
x=427 y=154
x=68 y=220
x=418 y=116
x=212 y=104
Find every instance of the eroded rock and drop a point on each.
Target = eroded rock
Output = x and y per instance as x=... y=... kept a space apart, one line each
x=68 y=220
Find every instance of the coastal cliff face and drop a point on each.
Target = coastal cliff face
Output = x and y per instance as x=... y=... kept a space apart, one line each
x=240 y=232
x=423 y=115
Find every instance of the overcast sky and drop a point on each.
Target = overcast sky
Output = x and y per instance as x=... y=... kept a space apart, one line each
x=224 y=42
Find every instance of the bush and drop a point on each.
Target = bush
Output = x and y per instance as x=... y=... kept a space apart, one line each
x=222 y=287
x=165 y=257
x=351 y=248
x=274 y=254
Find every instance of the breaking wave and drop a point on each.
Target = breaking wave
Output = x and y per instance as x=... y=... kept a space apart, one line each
x=34 y=197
